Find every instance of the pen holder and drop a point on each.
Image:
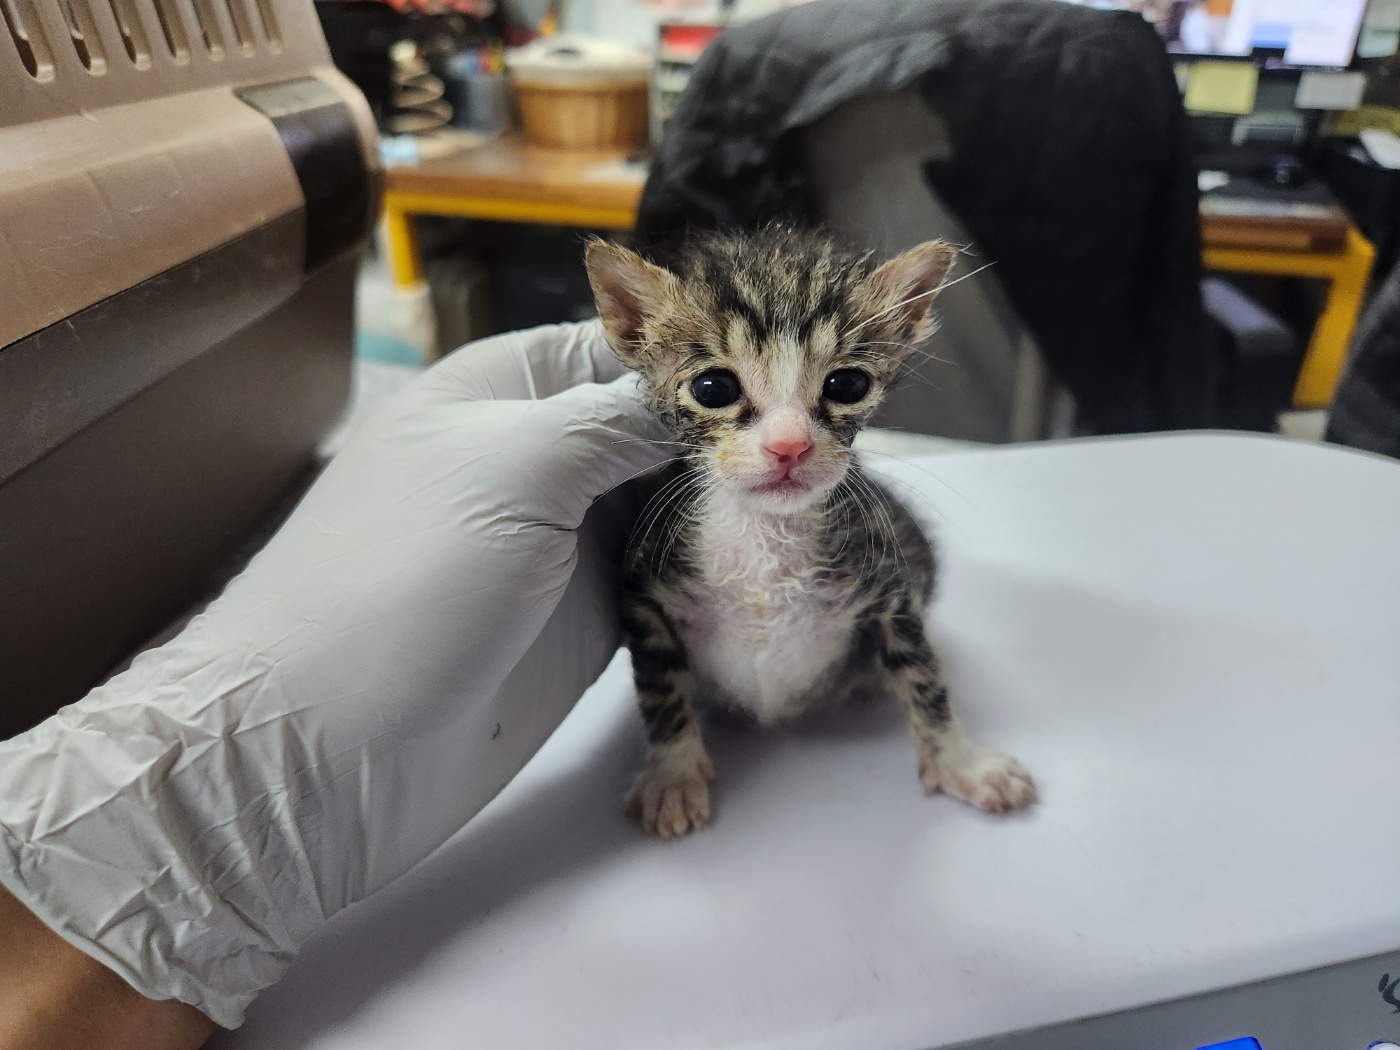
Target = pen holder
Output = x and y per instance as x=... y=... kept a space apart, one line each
x=488 y=102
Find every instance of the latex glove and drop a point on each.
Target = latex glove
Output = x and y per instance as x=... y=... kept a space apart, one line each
x=401 y=647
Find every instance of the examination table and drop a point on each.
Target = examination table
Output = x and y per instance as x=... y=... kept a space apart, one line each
x=1190 y=640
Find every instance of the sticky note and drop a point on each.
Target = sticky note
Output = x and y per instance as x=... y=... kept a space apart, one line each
x=1222 y=87
x=1382 y=14
x=1330 y=90
x=1377 y=43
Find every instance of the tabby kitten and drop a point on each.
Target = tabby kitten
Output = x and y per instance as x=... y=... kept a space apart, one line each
x=769 y=572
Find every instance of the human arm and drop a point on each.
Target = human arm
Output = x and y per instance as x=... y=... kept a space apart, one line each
x=411 y=635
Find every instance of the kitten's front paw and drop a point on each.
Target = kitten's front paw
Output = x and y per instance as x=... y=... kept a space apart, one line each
x=978 y=775
x=671 y=796
x=669 y=808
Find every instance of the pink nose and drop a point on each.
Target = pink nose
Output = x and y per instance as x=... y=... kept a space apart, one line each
x=788 y=451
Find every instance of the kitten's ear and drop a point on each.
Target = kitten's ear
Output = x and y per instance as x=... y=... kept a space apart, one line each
x=903 y=288
x=627 y=290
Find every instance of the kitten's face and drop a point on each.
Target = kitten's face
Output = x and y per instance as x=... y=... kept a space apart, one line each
x=767 y=353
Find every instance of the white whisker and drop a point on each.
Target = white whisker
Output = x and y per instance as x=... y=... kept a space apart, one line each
x=913 y=298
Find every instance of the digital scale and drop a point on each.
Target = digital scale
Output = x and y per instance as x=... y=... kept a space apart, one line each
x=1192 y=641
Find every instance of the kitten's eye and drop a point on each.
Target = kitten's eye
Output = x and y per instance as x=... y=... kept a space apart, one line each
x=716 y=388
x=846 y=386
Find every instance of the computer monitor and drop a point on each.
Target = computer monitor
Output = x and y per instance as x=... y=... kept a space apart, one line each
x=1308 y=33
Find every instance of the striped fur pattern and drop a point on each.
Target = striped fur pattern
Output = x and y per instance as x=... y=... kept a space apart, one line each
x=769 y=573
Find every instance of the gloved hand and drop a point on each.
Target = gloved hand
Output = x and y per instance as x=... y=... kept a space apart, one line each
x=407 y=640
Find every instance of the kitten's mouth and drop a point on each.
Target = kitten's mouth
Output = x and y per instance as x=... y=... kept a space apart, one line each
x=783 y=485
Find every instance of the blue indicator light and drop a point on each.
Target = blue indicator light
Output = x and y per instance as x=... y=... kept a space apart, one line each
x=1247 y=1043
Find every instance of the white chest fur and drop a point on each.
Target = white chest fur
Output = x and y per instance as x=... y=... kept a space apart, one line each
x=759 y=624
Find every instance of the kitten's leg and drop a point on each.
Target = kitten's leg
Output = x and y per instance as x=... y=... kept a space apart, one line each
x=671 y=794
x=985 y=778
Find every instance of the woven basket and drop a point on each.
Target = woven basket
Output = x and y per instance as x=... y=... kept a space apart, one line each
x=593 y=117
x=576 y=93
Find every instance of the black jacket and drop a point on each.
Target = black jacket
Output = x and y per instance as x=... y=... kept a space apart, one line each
x=1071 y=166
x=1366 y=411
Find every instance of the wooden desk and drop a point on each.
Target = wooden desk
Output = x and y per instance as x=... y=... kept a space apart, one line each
x=1347 y=269
x=508 y=180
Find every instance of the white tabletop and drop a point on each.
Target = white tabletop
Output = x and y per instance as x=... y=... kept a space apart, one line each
x=1192 y=641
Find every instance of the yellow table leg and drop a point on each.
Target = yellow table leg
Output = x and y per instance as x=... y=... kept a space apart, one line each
x=405 y=261
x=1327 y=350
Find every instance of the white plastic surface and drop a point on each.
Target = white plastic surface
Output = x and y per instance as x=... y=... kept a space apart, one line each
x=1190 y=640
